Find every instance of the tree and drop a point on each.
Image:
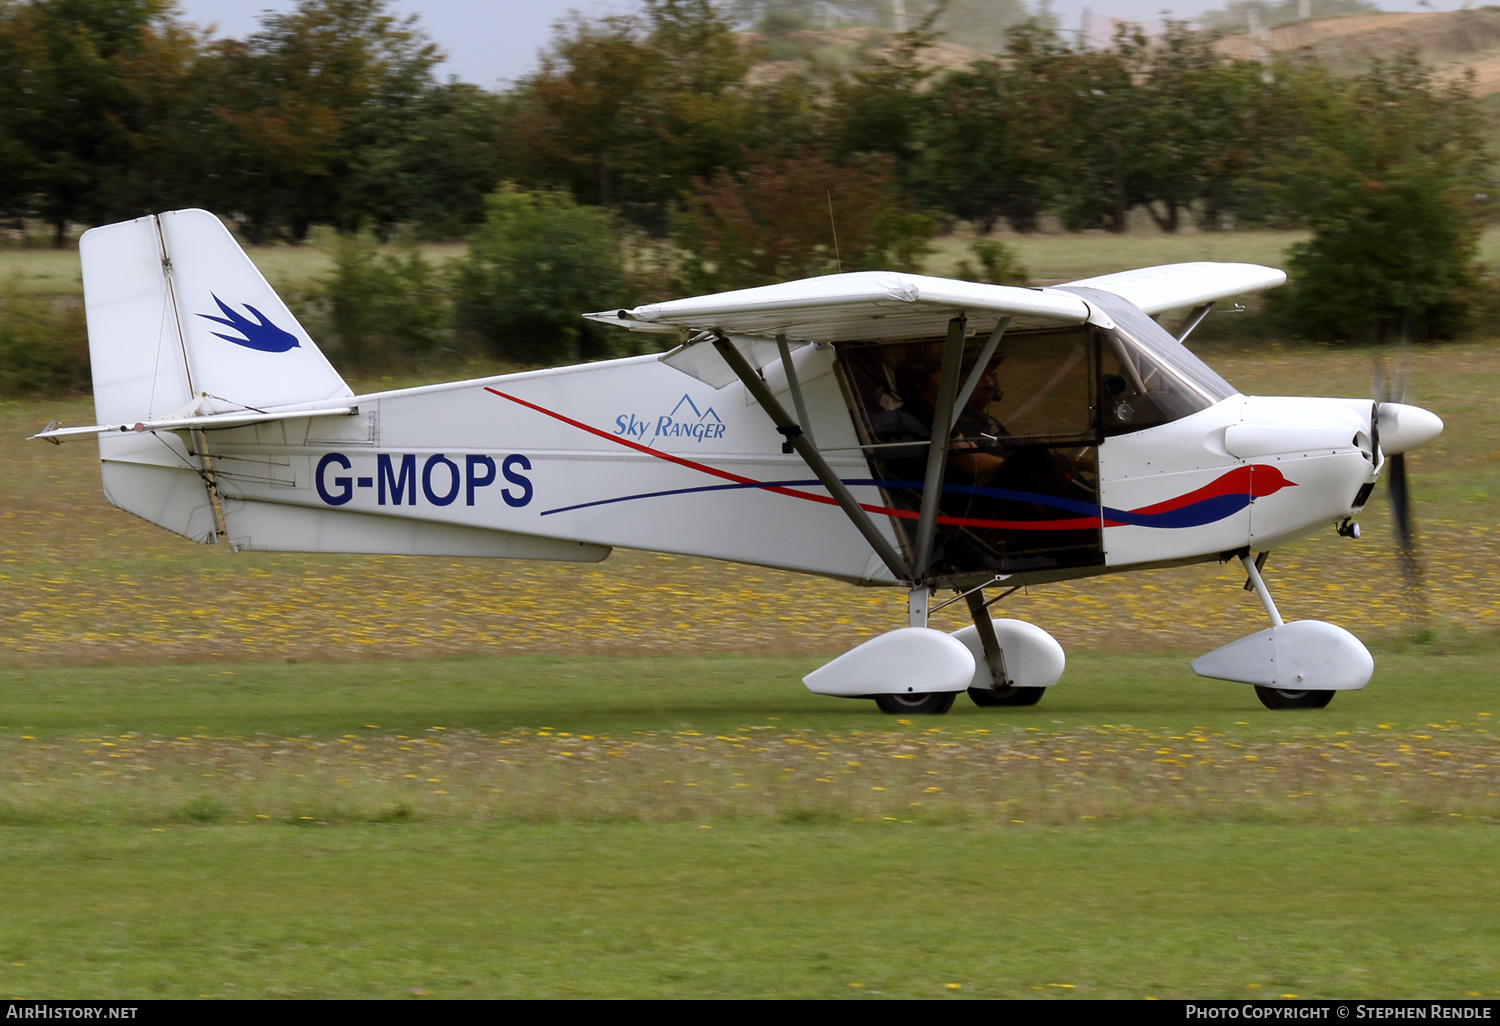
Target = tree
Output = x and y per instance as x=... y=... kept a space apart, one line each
x=1097 y=115
x=880 y=107
x=71 y=105
x=301 y=99
x=380 y=309
x=1199 y=135
x=1387 y=169
x=987 y=146
x=795 y=218
x=431 y=163
x=627 y=111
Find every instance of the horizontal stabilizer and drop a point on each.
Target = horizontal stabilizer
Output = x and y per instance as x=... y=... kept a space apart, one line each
x=211 y=422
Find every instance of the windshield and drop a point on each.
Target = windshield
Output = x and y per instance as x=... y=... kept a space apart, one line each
x=1146 y=376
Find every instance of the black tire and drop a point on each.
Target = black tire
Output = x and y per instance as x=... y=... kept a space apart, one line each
x=1007 y=696
x=930 y=703
x=1280 y=698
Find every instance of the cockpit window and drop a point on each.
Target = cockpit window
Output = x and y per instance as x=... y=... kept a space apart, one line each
x=1020 y=488
x=1147 y=377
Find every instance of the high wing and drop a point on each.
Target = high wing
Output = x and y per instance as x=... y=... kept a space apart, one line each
x=858 y=305
x=1175 y=286
x=889 y=305
x=836 y=308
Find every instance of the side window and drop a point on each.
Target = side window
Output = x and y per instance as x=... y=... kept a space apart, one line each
x=1043 y=386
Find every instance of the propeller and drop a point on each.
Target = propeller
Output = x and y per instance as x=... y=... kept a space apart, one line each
x=1395 y=429
x=1389 y=393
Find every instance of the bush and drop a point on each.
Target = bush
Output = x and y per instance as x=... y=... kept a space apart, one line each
x=380 y=310
x=1387 y=172
x=536 y=265
x=44 y=346
x=998 y=264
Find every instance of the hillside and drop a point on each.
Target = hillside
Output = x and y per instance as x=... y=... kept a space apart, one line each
x=1455 y=42
x=797 y=52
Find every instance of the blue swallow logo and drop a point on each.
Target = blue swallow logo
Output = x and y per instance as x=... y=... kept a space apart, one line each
x=259 y=334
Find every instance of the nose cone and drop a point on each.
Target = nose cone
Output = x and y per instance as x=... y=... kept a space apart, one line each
x=1404 y=428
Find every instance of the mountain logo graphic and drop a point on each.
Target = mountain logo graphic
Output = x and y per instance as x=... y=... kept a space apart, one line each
x=702 y=415
x=258 y=334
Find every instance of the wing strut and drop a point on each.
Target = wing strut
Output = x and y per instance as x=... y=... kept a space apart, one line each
x=985 y=355
x=1192 y=320
x=793 y=433
x=796 y=386
x=937 y=449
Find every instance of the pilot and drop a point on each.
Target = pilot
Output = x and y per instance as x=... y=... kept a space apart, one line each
x=975 y=453
x=988 y=475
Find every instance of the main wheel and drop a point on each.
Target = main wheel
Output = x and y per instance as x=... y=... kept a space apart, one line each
x=929 y=703
x=1007 y=696
x=1280 y=698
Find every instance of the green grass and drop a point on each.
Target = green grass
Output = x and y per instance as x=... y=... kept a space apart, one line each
x=748 y=911
x=710 y=694
x=969 y=876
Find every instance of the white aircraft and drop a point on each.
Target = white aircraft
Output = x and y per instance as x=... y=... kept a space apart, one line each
x=791 y=427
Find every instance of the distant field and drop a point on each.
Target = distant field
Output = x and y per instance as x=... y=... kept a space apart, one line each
x=287 y=268
x=1047 y=257
x=1066 y=256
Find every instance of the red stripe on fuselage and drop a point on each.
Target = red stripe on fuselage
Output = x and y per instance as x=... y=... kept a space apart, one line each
x=1072 y=524
x=1266 y=480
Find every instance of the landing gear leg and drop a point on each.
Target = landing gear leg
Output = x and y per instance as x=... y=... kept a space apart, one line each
x=926 y=703
x=1003 y=692
x=1278 y=698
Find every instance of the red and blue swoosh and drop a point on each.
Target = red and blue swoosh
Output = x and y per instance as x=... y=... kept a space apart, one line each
x=1226 y=495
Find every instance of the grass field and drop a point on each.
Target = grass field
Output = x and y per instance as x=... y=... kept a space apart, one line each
x=265 y=775
x=679 y=827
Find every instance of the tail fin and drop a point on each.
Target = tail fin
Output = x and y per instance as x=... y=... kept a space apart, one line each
x=179 y=316
x=181 y=322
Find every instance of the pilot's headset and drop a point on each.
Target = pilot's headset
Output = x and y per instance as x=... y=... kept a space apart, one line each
x=973 y=350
